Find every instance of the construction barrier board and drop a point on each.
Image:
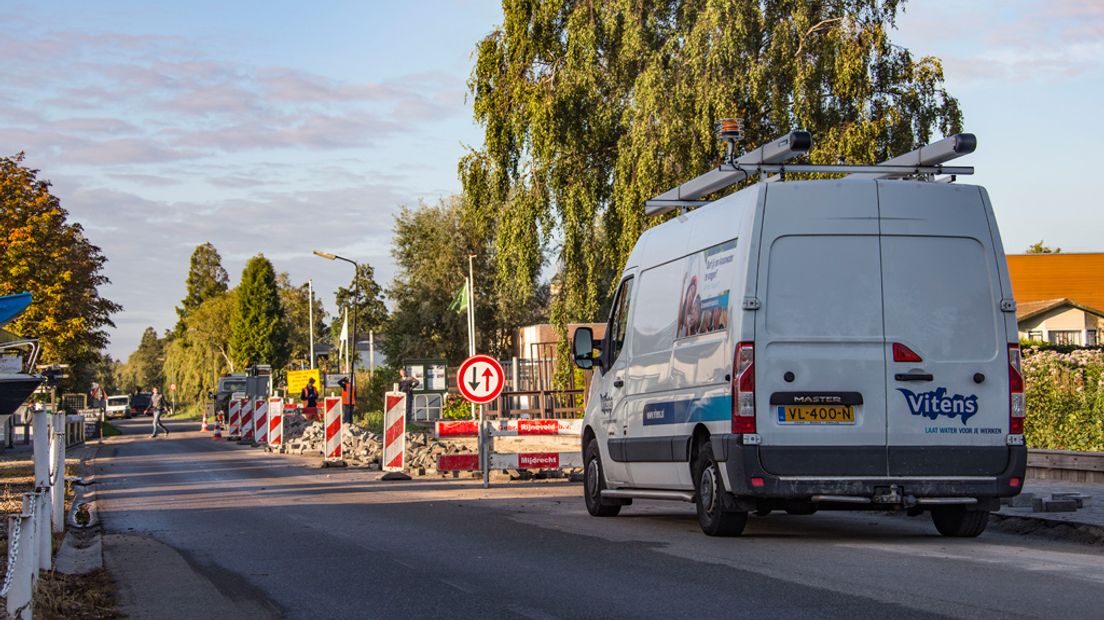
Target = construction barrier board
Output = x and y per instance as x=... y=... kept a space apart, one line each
x=509 y=428
x=233 y=428
x=275 y=421
x=260 y=420
x=247 y=420
x=508 y=460
x=394 y=435
x=332 y=422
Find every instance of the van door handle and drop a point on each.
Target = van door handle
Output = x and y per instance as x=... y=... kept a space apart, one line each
x=913 y=376
x=618 y=383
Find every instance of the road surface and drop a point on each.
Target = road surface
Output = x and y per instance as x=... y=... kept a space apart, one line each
x=300 y=542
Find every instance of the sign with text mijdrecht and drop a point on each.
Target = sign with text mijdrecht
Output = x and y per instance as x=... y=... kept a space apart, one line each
x=480 y=379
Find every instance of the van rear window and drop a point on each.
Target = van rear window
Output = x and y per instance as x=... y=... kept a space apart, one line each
x=824 y=286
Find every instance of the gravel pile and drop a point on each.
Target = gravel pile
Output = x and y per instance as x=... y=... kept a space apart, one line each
x=362 y=448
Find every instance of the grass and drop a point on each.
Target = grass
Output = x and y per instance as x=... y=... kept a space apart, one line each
x=109 y=430
x=65 y=597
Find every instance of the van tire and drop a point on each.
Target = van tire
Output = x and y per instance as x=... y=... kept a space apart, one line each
x=709 y=495
x=957 y=522
x=594 y=482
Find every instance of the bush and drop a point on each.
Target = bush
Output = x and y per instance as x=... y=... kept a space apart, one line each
x=371 y=420
x=1065 y=399
x=455 y=408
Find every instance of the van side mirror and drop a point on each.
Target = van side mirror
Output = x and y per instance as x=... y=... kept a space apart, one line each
x=582 y=346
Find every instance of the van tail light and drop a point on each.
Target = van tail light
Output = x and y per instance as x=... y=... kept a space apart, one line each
x=901 y=353
x=743 y=388
x=1016 y=406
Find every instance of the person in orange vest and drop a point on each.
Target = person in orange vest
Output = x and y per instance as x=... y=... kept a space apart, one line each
x=348 y=399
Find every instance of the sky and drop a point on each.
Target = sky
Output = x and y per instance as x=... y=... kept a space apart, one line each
x=282 y=127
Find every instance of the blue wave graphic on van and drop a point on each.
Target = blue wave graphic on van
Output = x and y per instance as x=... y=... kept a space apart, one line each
x=708 y=409
x=935 y=403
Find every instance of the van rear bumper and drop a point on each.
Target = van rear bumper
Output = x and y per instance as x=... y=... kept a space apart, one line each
x=744 y=462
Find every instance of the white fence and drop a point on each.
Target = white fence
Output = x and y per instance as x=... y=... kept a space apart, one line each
x=30 y=544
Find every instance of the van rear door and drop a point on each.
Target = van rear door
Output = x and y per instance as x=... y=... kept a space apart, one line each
x=947 y=403
x=820 y=345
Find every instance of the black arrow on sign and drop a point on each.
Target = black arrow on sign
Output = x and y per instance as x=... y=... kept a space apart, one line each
x=474 y=383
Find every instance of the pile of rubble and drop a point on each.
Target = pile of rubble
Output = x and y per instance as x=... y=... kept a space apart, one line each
x=362 y=448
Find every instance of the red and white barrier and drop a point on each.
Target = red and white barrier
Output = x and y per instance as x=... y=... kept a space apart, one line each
x=233 y=427
x=247 y=420
x=260 y=420
x=509 y=428
x=332 y=422
x=275 y=422
x=511 y=460
x=394 y=435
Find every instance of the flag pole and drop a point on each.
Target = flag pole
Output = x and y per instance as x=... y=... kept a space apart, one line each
x=471 y=322
x=310 y=319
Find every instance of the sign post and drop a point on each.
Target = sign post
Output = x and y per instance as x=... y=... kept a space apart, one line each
x=480 y=380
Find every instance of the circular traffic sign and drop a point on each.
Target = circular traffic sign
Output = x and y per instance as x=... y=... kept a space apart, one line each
x=172 y=387
x=480 y=379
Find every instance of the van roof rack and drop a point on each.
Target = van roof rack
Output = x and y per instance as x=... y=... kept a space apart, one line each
x=924 y=162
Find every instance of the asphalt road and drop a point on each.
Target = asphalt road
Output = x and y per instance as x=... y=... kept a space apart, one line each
x=299 y=542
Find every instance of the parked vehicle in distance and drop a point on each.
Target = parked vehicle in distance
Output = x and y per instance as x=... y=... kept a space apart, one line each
x=809 y=345
x=139 y=403
x=118 y=406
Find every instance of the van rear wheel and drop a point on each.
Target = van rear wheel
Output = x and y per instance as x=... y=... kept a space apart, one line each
x=957 y=522
x=709 y=498
x=594 y=482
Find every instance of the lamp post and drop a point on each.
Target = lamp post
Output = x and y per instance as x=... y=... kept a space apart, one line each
x=352 y=329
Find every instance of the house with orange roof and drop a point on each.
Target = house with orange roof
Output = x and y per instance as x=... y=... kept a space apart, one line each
x=1059 y=297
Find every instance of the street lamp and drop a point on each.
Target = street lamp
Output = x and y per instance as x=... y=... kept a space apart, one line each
x=352 y=329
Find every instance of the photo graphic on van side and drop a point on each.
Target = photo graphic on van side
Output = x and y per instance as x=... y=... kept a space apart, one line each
x=703 y=307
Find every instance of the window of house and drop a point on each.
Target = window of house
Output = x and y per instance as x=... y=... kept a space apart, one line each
x=1035 y=334
x=1065 y=337
x=1090 y=338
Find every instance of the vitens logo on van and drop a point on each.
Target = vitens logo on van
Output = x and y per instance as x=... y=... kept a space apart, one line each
x=935 y=403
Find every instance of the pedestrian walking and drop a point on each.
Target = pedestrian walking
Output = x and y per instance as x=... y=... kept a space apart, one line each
x=155 y=409
x=407 y=384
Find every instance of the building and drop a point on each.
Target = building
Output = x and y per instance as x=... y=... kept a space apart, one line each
x=1058 y=297
x=1060 y=321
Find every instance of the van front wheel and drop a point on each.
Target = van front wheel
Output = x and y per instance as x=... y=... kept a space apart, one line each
x=712 y=516
x=594 y=482
x=957 y=522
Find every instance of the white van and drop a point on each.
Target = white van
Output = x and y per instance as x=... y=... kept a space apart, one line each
x=827 y=344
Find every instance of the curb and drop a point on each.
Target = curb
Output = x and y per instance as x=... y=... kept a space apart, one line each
x=1089 y=532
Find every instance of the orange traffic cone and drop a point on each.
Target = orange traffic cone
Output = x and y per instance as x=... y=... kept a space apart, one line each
x=217 y=433
x=203 y=428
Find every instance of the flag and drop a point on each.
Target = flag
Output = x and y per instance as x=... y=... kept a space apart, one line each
x=460 y=301
x=345 y=328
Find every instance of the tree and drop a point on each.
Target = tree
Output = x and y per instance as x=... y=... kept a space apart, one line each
x=200 y=353
x=258 y=330
x=296 y=303
x=206 y=279
x=143 y=369
x=1040 y=248
x=371 y=313
x=590 y=108
x=431 y=245
x=41 y=252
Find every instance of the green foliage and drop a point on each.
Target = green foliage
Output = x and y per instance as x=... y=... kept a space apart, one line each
x=144 y=368
x=431 y=246
x=258 y=330
x=371 y=313
x=456 y=408
x=370 y=420
x=371 y=391
x=1041 y=248
x=1065 y=399
x=206 y=279
x=296 y=303
x=45 y=254
x=590 y=108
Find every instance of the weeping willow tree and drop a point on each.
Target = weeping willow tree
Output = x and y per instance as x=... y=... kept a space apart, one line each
x=590 y=107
